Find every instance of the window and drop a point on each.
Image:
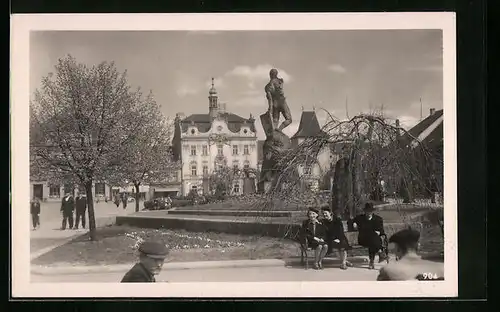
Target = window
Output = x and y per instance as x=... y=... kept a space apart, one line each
x=55 y=191
x=176 y=176
x=246 y=151
x=193 y=169
x=193 y=150
x=204 y=150
x=236 y=189
x=220 y=150
x=205 y=170
x=99 y=189
x=235 y=149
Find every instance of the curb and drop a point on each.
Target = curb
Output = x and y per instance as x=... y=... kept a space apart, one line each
x=68 y=270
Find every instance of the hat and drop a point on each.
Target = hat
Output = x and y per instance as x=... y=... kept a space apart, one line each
x=325 y=207
x=154 y=249
x=314 y=210
x=368 y=207
x=405 y=237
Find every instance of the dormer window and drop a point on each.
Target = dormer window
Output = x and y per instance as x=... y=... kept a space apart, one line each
x=245 y=131
x=193 y=131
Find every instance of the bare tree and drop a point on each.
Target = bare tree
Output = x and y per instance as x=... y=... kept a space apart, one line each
x=149 y=157
x=83 y=120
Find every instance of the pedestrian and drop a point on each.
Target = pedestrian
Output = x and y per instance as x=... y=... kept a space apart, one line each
x=124 y=200
x=409 y=265
x=371 y=233
x=313 y=234
x=81 y=209
x=67 y=208
x=152 y=255
x=117 y=200
x=335 y=235
x=35 y=212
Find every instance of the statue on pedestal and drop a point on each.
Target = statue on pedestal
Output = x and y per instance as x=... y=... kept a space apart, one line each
x=276 y=141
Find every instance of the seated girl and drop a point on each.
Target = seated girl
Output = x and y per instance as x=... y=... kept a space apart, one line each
x=314 y=233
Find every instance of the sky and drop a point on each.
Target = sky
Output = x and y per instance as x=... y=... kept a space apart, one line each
x=343 y=71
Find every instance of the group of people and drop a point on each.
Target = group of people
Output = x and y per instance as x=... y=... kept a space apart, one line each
x=69 y=206
x=327 y=234
x=123 y=198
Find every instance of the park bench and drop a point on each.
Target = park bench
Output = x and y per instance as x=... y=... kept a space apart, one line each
x=352 y=238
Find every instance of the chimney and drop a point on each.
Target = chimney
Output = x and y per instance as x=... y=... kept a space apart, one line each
x=432 y=111
x=398 y=126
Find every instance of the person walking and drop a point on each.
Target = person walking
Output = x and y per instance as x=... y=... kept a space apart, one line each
x=81 y=209
x=67 y=208
x=371 y=233
x=124 y=200
x=152 y=255
x=409 y=265
x=35 y=213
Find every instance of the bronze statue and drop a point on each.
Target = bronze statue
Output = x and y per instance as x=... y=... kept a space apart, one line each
x=277 y=101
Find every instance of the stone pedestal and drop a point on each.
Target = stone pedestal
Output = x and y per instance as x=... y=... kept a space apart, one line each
x=277 y=143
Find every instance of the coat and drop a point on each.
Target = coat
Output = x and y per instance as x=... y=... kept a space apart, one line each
x=410 y=268
x=366 y=229
x=309 y=231
x=81 y=204
x=35 y=207
x=138 y=274
x=68 y=204
x=335 y=230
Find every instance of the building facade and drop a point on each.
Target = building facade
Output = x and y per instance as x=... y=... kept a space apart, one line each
x=49 y=191
x=214 y=140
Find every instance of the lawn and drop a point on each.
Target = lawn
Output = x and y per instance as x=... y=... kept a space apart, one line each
x=117 y=245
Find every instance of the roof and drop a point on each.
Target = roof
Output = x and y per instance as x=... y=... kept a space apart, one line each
x=429 y=130
x=204 y=121
x=309 y=126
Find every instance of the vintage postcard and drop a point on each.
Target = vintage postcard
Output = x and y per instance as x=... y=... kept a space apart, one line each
x=234 y=155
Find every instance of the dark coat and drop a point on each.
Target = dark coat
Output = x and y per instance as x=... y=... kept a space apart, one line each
x=68 y=205
x=138 y=274
x=335 y=230
x=366 y=228
x=35 y=207
x=81 y=204
x=309 y=231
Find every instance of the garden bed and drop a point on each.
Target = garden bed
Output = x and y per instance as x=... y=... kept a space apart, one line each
x=117 y=245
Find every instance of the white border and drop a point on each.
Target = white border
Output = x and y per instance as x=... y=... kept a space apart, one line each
x=21 y=25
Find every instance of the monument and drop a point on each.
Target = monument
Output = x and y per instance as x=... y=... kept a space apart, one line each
x=276 y=142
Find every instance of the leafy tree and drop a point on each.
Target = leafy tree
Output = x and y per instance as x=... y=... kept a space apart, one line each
x=149 y=157
x=83 y=122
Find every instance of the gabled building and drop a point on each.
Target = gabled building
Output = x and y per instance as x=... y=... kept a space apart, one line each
x=204 y=142
x=314 y=168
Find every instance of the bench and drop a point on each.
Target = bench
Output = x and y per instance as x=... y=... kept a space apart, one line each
x=352 y=238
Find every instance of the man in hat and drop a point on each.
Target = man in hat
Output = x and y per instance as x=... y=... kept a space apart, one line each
x=81 y=209
x=371 y=233
x=409 y=265
x=152 y=255
x=35 y=213
x=67 y=208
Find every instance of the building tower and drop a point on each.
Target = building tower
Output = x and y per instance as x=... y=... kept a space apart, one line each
x=213 y=104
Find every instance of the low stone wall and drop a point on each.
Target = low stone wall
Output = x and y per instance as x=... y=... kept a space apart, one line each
x=235 y=213
x=279 y=230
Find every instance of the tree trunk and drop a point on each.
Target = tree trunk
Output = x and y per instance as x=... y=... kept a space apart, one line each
x=90 y=202
x=137 y=195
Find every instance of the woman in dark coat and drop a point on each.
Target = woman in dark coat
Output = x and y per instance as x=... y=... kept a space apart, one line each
x=335 y=235
x=314 y=233
x=371 y=230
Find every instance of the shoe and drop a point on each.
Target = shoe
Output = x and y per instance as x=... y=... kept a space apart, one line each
x=382 y=257
x=371 y=266
x=316 y=266
x=343 y=266
x=349 y=264
x=320 y=265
